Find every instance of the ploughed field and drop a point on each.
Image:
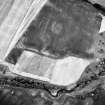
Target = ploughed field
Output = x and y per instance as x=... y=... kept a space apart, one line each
x=61 y=32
